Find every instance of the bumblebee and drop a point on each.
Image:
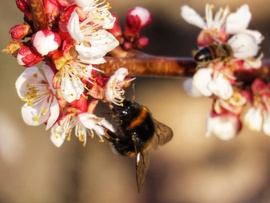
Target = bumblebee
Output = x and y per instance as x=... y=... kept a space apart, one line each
x=217 y=51
x=136 y=131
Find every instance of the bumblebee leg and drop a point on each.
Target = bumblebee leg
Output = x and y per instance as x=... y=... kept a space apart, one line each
x=110 y=136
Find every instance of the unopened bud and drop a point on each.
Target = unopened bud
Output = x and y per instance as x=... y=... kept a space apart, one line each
x=142 y=42
x=18 y=32
x=28 y=57
x=46 y=42
x=23 y=5
x=137 y=18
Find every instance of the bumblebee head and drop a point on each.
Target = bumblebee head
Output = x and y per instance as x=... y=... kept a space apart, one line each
x=126 y=109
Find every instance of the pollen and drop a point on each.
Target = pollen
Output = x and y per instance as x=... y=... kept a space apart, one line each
x=44 y=111
x=36 y=118
x=81 y=138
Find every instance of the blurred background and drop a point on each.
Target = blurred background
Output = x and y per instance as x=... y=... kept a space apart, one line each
x=189 y=169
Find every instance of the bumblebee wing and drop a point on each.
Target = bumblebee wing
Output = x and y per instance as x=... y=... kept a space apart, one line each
x=162 y=135
x=142 y=162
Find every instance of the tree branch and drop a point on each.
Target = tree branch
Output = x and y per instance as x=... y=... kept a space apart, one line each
x=140 y=64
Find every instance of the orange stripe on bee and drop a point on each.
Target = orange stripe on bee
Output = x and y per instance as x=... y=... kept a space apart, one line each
x=140 y=118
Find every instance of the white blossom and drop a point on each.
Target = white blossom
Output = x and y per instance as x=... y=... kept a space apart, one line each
x=34 y=86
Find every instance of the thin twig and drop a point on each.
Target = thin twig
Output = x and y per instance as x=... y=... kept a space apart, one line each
x=38 y=14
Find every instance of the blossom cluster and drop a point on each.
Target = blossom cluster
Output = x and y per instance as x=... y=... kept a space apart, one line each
x=64 y=91
x=226 y=46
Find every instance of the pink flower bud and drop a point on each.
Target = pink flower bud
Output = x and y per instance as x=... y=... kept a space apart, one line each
x=46 y=42
x=23 y=5
x=142 y=42
x=136 y=19
x=28 y=57
x=18 y=32
x=143 y=15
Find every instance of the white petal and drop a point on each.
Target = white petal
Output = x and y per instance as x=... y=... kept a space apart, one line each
x=71 y=88
x=74 y=27
x=192 y=17
x=190 y=89
x=252 y=62
x=88 y=120
x=244 y=45
x=30 y=75
x=101 y=43
x=256 y=34
x=29 y=114
x=83 y=3
x=49 y=74
x=54 y=113
x=223 y=126
x=57 y=135
x=266 y=124
x=221 y=87
x=201 y=80
x=107 y=125
x=253 y=119
x=238 y=21
x=91 y=122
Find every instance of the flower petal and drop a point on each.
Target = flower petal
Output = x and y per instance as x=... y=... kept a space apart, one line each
x=54 y=113
x=30 y=75
x=74 y=27
x=224 y=126
x=253 y=119
x=266 y=124
x=221 y=87
x=238 y=21
x=244 y=45
x=192 y=17
x=101 y=43
x=191 y=89
x=201 y=80
x=71 y=88
x=83 y=3
x=32 y=114
x=57 y=136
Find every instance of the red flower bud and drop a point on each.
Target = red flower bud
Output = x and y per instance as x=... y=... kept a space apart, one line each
x=18 y=32
x=142 y=42
x=23 y=5
x=136 y=19
x=28 y=57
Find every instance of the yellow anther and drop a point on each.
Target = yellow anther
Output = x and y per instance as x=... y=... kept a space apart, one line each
x=101 y=140
x=36 y=118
